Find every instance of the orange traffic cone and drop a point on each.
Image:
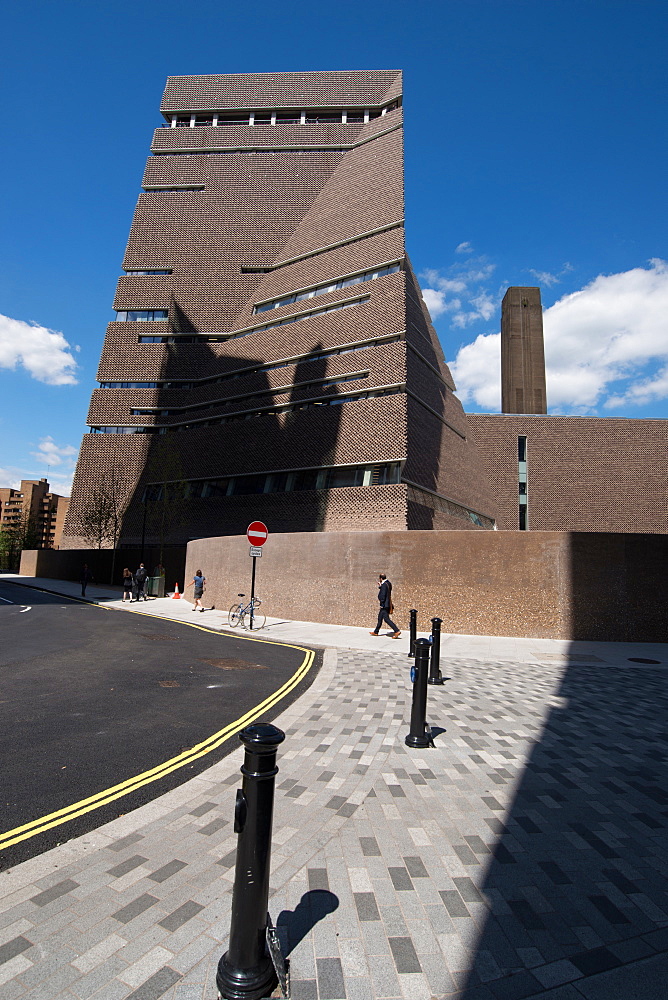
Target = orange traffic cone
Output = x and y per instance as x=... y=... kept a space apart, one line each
x=176 y=596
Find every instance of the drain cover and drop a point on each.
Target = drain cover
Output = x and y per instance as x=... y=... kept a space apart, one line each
x=641 y=659
x=232 y=664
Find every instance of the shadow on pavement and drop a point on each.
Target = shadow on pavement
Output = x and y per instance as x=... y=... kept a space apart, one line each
x=294 y=925
x=578 y=882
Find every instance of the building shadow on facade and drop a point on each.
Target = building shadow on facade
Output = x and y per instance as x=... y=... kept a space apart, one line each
x=577 y=876
x=260 y=454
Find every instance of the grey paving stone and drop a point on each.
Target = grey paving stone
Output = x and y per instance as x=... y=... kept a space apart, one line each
x=454 y=903
x=229 y=860
x=303 y=989
x=202 y=809
x=415 y=867
x=61 y=888
x=331 y=985
x=213 y=827
x=14 y=947
x=180 y=916
x=127 y=866
x=135 y=908
x=166 y=871
x=401 y=880
x=318 y=878
x=120 y=845
x=156 y=986
x=404 y=955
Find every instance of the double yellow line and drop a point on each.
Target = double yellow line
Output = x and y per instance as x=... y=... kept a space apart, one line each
x=38 y=826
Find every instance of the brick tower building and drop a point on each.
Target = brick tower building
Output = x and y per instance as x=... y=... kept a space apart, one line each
x=522 y=352
x=271 y=353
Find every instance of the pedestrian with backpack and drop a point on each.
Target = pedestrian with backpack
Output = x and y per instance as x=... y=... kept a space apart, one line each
x=141 y=576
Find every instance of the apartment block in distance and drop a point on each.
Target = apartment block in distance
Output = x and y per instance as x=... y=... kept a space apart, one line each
x=271 y=355
x=35 y=505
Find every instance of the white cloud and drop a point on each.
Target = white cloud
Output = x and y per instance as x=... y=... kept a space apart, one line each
x=548 y=279
x=51 y=454
x=45 y=354
x=56 y=464
x=9 y=477
x=464 y=247
x=460 y=290
x=605 y=346
x=476 y=371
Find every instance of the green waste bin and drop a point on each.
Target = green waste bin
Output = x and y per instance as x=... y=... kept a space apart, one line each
x=156 y=586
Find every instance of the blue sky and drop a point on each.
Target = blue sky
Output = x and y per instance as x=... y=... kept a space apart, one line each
x=535 y=154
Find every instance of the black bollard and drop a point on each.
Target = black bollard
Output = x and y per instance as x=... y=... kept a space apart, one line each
x=435 y=675
x=418 y=736
x=413 y=633
x=246 y=971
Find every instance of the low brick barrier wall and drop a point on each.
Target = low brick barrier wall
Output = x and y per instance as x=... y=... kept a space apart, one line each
x=539 y=584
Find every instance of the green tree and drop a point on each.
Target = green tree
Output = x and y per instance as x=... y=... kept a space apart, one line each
x=21 y=534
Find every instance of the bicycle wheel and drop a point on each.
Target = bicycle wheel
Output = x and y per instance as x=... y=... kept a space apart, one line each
x=258 y=620
x=234 y=615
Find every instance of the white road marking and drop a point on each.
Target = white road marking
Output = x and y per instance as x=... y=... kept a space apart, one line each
x=28 y=607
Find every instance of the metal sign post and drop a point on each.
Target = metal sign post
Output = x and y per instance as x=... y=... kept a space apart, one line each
x=256 y=533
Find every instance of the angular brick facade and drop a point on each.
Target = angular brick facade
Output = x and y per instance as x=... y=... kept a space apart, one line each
x=272 y=355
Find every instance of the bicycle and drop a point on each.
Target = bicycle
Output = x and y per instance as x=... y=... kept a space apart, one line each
x=237 y=614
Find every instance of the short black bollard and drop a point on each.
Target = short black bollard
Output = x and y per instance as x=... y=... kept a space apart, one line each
x=435 y=675
x=418 y=736
x=413 y=633
x=246 y=971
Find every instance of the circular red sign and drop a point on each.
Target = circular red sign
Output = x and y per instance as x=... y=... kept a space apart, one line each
x=257 y=532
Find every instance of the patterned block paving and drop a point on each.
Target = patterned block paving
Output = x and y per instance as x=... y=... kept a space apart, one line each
x=523 y=853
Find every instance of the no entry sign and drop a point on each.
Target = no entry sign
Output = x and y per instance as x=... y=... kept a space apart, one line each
x=257 y=532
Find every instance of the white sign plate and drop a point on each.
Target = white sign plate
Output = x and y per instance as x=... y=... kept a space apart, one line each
x=255 y=550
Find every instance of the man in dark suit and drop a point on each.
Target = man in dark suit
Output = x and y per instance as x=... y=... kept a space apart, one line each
x=386 y=607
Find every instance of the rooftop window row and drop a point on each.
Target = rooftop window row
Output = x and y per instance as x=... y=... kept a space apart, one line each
x=310 y=293
x=161 y=270
x=249 y=414
x=141 y=315
x=311 y=116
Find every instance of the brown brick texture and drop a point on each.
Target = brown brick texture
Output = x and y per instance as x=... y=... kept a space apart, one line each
x=583 y=473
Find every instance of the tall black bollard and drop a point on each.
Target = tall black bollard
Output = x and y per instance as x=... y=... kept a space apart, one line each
x=435 y=675
x=246 y=972
x=413 y=633
x=418 y=736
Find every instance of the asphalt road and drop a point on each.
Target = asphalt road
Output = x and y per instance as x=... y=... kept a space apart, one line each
x=91 y=698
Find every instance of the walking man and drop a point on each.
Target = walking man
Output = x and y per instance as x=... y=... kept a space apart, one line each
x=86 y=577
x=386 y=607
x=141 y=576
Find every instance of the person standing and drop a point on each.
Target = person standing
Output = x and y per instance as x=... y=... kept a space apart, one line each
x=386 y=607
x=198 y=583
x=127 y=584
x=141 y=576
x=86 y=577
